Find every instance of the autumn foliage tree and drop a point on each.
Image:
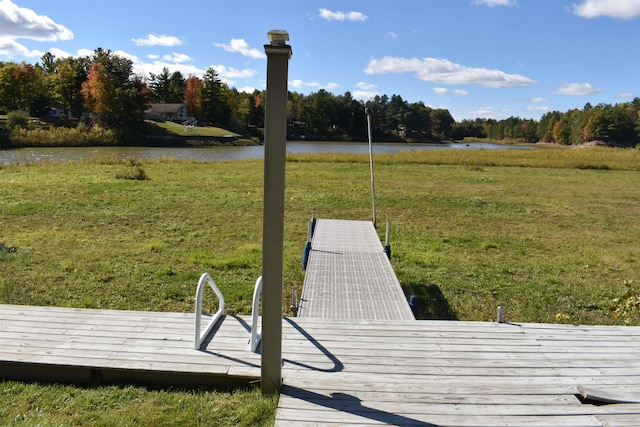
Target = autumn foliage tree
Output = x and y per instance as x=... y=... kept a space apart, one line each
x=98 y=92
x=193 y=96
x=114 y=98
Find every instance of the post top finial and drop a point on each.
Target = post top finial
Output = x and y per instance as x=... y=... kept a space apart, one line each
x=278 y=37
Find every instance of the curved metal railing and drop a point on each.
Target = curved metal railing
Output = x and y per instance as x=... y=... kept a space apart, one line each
x=200 y=336
x=254 y=341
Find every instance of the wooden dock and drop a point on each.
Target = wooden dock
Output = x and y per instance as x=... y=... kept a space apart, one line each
x=443 y=373
x=117 y=346
x=347 y=372
x=349 y=276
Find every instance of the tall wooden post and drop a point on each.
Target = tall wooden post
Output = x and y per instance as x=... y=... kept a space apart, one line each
x=275 y=138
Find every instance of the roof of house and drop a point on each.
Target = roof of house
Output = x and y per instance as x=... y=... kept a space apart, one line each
x=166 y=108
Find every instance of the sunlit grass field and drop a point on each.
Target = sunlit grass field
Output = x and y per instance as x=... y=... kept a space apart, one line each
x=177 y=129
x=550 y=234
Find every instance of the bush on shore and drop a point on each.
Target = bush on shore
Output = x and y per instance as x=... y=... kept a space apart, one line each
x=62 y=136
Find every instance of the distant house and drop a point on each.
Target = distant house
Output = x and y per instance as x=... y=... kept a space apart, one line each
x=171 y=112
x=57 y=113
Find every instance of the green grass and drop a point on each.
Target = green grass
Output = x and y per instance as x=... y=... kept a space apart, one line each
x=540 y=241
x=67 y=405
x=555 y=241
x=178 y=129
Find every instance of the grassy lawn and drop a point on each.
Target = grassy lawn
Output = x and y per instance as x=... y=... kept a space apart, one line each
x=177 y=129
x=67 y=405
x=550 y=234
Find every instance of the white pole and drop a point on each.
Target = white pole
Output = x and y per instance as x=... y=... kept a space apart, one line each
x=367 y=111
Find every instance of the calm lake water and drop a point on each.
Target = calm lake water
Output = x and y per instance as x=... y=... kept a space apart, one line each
x=206 y=154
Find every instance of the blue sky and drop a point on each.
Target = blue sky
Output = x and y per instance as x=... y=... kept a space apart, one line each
x=477 y=58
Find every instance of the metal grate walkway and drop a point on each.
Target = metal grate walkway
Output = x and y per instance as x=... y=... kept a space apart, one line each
x=349 y=276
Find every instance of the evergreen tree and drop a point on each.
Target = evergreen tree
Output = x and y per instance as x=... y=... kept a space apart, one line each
x=215 y=107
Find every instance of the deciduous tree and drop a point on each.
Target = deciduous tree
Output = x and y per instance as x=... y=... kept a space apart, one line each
x=193 y=96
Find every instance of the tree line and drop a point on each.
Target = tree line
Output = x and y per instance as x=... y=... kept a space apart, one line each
x=617 y=125
x=103 y=90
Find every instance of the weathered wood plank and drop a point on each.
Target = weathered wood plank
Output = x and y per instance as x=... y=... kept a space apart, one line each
x=372 y=417
x=353 y=372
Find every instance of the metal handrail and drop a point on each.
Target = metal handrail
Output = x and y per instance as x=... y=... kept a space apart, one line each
x=200 y=337
x=255 y=336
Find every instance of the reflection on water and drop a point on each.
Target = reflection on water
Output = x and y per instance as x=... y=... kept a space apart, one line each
x=206 y=154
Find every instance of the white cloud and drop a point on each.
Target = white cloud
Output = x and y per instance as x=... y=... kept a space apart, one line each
x=22 y=23
x=246 y=89
x=364 y=95
x=485 y=112
x=538 y=99
x=177 y=57
x=156 y=67
x=126 y=55
x=242 y=47
x=300 y=84
x=625 y=95
x=443 y=71
x=59 y=53
x=9 y=47
x=342 y=16
x=233 y=73
x=392 y=35
x=365 y=91
x=158 y=40
x=537 y=108
x=494 y=3
x=365 y=86
x=445 y=91
x=576 y=89
x=622 y=9
x=85 y=52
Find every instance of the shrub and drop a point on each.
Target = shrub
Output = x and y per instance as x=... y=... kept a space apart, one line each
x=62 y=136
x=17 y=118
x=133 y=171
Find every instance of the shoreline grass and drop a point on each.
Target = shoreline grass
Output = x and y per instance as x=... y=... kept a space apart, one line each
x=549 y=234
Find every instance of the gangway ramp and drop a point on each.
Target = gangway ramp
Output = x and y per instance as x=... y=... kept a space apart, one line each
x=349 y=276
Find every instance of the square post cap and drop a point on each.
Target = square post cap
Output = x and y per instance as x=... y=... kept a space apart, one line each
x=278 y=37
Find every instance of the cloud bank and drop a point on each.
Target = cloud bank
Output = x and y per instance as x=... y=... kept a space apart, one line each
x=621 y=9
x=242 y=47
x=576 y=89
x=22 y=23
x=494 y=3
x=158 y=40
x=342 y=16
x=443 y=71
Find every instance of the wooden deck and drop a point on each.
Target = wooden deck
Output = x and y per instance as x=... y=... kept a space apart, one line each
x=440 y=373
x=349 y=276
x=347 y=372
x=113 y=346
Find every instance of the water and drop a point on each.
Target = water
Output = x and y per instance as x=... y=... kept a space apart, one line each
x=206 y=154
